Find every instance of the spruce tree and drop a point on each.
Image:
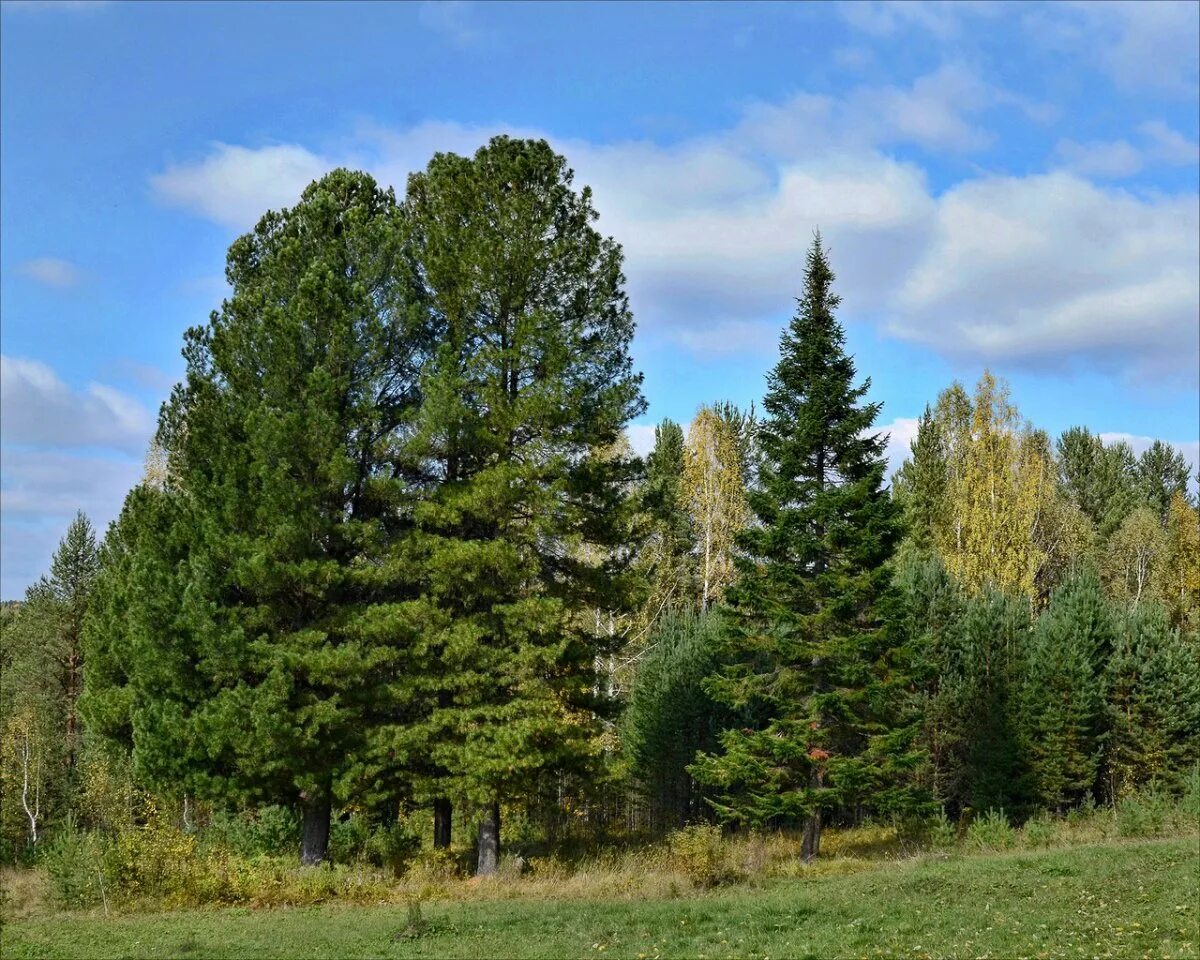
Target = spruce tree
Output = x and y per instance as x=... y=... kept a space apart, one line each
x=811 y=663
x=667 y=560
x=524 y=509
x=921 y=483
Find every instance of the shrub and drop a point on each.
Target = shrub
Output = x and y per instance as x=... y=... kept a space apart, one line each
x=73 y=862
x=941 y=831
x=1144 y=814
x=1040 y=831
x=393 y=847
x=992 y=831
x=698 y=852
x=270 y=830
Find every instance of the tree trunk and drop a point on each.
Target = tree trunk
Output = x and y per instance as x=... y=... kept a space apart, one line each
x=489 y=841
x=314 y=844
x=811 y=845
x=442 y=819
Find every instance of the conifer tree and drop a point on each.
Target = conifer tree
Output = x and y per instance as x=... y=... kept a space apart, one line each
x=1099 y=479
x=810 y=661
x=264 y=671
x=666 y=561
x=1153 y=703
x=921 y=483
x=670 y=716
x=521 y=510
x=1063 y=693
x=1162 y=472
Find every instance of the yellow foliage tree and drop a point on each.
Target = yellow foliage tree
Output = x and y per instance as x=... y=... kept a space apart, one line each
x=714 y=489
x=1006 y=524
x=1181 y=563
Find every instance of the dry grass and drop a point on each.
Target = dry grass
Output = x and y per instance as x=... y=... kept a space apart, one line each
x=24 y=893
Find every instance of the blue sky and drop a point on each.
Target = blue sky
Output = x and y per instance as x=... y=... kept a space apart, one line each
x=1002 y=185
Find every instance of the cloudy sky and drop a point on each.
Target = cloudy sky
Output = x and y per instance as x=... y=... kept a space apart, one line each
x=999 y=184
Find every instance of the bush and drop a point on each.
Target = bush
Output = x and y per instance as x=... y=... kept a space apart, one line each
x=392 y=847
x=992 y=831
x=270 y=830
x=1144 y=814
x=941 y=832
x=1040 y=831
x=74 y=863
x=698 y=852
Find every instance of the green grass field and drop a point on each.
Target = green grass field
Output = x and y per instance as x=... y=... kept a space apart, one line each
x=1131 y=899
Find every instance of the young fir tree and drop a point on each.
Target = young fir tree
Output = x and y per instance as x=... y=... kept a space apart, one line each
x=666 y=561
x=264 y=672
x=1153 y=703
x=984 y=677
x=811 y=664
x=523 y=507
x=670 y=717
x=1063 y=693
x=921 y=483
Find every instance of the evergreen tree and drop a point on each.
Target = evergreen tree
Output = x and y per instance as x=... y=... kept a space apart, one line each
x=1099 y=479
x=666 y=562
x=522 y=519
x=670 y=716
x=810 y=660
x=1153 y=705
x=1063 y=695
x=984 y=676
x=265 y=672
x=1162 y=472
x=921 y=483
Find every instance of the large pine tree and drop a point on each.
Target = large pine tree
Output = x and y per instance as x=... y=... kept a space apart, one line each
x=525 y=507
x=812 y=667
x=258 y=643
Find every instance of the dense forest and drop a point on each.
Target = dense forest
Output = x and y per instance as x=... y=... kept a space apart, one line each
x=394 y=577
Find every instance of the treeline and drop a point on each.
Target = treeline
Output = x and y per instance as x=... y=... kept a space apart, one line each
x=394 y=559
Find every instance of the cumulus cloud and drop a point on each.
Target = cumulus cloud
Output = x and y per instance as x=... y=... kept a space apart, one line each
x=1033 y=270
x=1054 y=270
x=51 y=271
x=901 y=432
x=1140 y=44
x=1115 y=159
x=235 y=185
x=37 y=409
x=641 y=437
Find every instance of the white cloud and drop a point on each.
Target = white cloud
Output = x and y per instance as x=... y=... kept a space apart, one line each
x=943 y=19
x=236 y=185
x=40 y=491
x=38 y=410
x=1169 y=146
x=1030 y=270
x=51 y=271
x=1054 y=270
x=641 y=437
x=1140 y=44
x=901 y=433
x=1102 y=158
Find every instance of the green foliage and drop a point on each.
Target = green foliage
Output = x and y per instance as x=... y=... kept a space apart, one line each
x=1162 y=472
x=519 y=533
x=670 y=716
x=991 y=831
x=1063 y=693
x=809 y=663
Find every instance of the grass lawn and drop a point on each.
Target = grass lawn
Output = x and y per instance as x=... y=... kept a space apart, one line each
x=1131 y=899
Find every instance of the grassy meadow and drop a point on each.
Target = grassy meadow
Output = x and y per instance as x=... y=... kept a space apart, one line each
x=1116 y=898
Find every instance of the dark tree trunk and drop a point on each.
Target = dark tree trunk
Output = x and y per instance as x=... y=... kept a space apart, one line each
x=811 y=845
x=489 y=841
x=314 y=844
x=442 y=819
